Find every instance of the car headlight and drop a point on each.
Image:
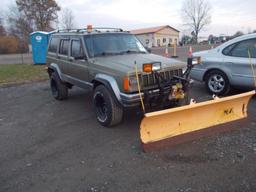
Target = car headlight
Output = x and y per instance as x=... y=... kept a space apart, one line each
x=130 y=83
x=150 y=67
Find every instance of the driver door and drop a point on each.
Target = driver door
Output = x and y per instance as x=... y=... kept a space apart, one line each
x=78 y=66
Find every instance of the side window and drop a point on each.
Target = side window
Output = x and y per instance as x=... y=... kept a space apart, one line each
x=76 y=48
x=241 y=50
x=89 y=45
x=227 y=50
x=54 y=44
x=64 y=44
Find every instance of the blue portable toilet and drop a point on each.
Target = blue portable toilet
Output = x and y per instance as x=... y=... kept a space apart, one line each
x=39 y=42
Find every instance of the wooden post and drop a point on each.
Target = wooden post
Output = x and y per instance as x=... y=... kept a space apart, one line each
x=174 y=51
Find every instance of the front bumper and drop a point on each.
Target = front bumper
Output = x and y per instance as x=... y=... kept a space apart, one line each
x=132 y=100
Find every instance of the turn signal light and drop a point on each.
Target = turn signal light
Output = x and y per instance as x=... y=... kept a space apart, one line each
x=126 y=84
x=147 y=68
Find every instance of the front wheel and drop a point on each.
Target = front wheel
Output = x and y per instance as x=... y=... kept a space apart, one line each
x=58 y=88
x=108 y=111
x=217 y=83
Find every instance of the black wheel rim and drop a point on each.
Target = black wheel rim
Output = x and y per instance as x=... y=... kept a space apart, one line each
x=54 y=88
x=101 y=107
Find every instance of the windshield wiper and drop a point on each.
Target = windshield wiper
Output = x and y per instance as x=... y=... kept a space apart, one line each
x=106 y=53
x=131 y=51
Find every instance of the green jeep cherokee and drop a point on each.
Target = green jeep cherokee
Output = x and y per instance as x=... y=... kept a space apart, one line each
x=103 y=59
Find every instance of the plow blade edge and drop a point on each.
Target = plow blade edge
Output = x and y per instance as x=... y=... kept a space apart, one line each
x=180 y=124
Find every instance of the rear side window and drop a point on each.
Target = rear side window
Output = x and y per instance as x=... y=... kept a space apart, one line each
x=243 y=49
x=76 y=48
x=54 y=44
x=64 y=45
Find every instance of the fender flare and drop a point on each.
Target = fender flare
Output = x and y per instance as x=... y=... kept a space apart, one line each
x=56 y=69
x=110 y=83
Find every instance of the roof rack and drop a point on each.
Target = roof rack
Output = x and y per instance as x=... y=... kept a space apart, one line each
x=97 y=29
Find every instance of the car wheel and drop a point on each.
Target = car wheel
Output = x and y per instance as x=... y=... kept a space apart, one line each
x=217 y=83
x=108 y=111
x=58 y=88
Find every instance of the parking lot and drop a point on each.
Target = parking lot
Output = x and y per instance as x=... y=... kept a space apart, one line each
x=48 y=145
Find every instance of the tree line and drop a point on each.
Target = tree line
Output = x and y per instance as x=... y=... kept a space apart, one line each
x=27 y=16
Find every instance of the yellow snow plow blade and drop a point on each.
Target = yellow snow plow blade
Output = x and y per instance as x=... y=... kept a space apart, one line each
x=183 y=123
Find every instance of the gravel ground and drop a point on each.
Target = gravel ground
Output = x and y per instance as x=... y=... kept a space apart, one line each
x=47 y=145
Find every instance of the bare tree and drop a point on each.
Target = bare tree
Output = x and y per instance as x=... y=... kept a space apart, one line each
x=237 y=34
x=196 y=15
x=42 y=12
x=2 y=29
x=67 y=19
x=19 y=26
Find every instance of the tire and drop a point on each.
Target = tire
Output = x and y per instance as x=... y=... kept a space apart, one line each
x=58 y=88
x=108 y=112
x=217 y=83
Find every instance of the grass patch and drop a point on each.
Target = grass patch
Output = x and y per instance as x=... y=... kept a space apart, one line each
x=21 y=73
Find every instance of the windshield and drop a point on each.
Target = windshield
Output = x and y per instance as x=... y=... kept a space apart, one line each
x=112 y=44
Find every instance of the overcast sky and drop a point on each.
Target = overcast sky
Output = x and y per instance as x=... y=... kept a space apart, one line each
x=228 y=16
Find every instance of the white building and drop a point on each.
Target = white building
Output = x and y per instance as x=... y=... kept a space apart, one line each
x=157 y=36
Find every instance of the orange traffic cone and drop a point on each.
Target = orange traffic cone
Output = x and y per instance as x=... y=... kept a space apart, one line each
x=190 y=52
x=166 y=52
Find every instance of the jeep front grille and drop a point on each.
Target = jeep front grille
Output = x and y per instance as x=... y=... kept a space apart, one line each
x=148 y=80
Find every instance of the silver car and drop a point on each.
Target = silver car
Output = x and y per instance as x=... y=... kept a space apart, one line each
x=232 y=64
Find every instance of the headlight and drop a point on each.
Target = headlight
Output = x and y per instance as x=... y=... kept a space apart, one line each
x=149 y=67
x=130 y=83
x=156 y=67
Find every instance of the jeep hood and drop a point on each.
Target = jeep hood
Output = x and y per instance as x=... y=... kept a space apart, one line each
x=126 y=62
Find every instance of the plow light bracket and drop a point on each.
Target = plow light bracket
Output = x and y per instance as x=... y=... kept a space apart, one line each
x=194 y=61
x=150 y=67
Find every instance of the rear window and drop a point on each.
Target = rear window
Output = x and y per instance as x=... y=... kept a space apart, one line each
x=64 y=45
x=54 y=44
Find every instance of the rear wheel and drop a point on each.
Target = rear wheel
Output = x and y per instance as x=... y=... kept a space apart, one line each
x=217 y=83
x=108 y=111
x=58 y=88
